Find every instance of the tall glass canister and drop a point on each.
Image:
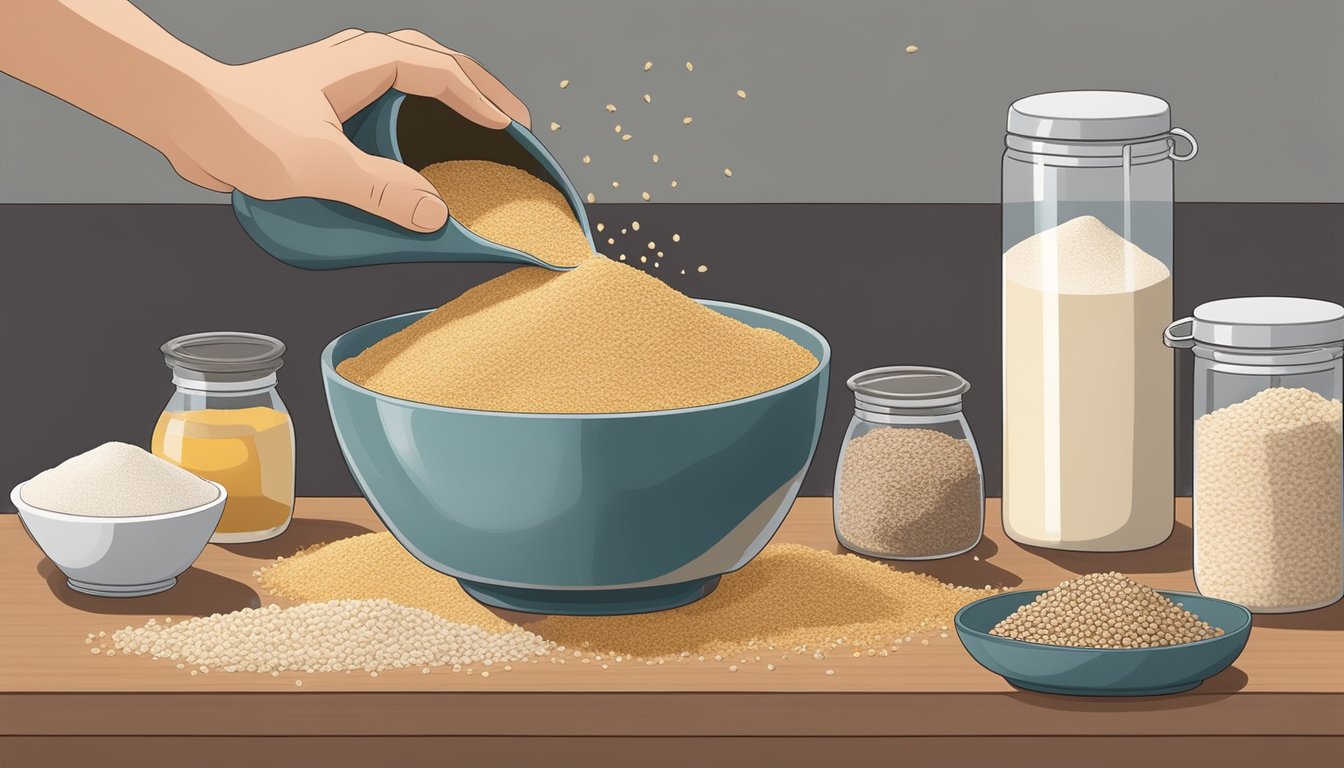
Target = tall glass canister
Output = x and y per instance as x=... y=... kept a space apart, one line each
x=1087 y=292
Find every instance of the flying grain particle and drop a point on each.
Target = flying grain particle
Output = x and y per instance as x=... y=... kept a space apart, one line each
x=297 y=683
x=483 y=674
x=611 y=241
x=646 y=196
x=674 y=183
x=652 y=245
x=587 y=160
x=564 y=84
x=95 y=650
x=601 y=226
x=618 y=127
x=626 y=137
x=611 y=107
x=592 y=198
x=924 y=642
x=769 y=667
x=912 y=49
x=732 y=668
x=634 y=225
x=683 y=271
x=655 y=157
x=830 y=672
x=643 y=259
x=942 y=634
x=741 y=94
x=702 y=268
x=555 y=126
x=624 y=231
x=684 y=121
x=976 y=558
x=659 y=254
x=425 y=671
x=604 y=666
x=728 y=172
x=676 y=238
x=690 y=67
x=615 y=185
x=648 y=99
x=648 y=65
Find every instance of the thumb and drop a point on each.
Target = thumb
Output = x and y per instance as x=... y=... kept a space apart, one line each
x=390 y=190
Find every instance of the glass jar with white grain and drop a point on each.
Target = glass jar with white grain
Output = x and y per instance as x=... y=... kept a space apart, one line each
x=1269 y=450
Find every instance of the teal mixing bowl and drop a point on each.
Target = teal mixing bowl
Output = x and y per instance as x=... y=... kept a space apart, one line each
x=587 y=514
x=1103 y=671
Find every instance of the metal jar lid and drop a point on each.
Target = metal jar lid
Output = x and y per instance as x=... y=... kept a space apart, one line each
x=1115 y=117
x=224 y=360
x=908 y=389
x=1260 y=322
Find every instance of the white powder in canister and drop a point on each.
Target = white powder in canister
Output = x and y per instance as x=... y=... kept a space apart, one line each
x=1087 y=391
x=117 y=480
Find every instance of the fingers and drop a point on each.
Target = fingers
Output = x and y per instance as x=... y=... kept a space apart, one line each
x=488 y=84
x=370 y=63
x=340 y=37
x=383 y=187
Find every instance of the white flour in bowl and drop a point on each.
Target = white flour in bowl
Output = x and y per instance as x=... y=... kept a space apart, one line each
x=117 y=480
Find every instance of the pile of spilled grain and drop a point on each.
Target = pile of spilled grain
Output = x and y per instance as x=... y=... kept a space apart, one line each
x=510 y=206
x=790 y=598
x=1104 y=610
x=374 y=567
x=368 y=635
x=601 y=338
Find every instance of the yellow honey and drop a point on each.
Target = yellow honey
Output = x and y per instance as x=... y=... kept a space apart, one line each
x=250 y=451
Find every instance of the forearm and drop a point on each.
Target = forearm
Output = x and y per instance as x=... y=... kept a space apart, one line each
x=105 y=57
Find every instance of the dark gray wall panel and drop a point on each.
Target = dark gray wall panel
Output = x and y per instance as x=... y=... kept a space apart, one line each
x=89 y=293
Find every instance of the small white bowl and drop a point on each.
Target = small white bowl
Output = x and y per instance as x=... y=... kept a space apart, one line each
x=121 y=556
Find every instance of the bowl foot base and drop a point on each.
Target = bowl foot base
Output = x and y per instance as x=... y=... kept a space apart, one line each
x=1103 y=692
x=108 y=590
x=590 y=602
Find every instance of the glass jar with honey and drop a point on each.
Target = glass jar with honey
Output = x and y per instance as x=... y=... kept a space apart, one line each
x=226 y=423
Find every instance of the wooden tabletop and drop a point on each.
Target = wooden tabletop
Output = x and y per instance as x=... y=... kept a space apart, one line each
x=58 y=701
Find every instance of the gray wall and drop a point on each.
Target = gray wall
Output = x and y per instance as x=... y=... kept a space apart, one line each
x=102 y=286
x=837 y=112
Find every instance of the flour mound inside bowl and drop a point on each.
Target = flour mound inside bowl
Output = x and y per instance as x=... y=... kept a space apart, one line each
x=117 y=480
x=601 y=338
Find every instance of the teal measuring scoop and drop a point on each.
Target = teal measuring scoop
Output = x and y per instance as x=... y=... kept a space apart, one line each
x=310 y=233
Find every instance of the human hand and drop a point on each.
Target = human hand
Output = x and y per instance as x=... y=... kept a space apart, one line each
x=272 y=128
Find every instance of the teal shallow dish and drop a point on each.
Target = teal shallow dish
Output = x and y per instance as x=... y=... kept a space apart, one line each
x=587 y=514
x=1103 y=671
